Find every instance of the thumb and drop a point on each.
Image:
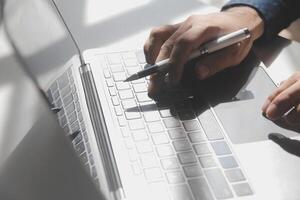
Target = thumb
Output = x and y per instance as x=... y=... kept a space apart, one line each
x=209 y=65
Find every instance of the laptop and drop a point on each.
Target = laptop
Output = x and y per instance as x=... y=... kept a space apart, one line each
x=204 y=140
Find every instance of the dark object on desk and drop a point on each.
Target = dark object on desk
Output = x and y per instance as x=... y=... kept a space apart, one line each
x=290 y=145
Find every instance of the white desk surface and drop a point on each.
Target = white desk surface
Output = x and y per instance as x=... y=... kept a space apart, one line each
x=96 y=23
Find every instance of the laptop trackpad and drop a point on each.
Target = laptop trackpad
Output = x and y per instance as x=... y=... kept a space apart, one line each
x=241 y=116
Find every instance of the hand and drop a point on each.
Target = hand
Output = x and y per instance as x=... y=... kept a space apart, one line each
x=178 y=41
x=283 y=99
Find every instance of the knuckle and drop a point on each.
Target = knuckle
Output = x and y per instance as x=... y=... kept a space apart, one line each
x=184 y=42
x=281 y=99
x=156 y=32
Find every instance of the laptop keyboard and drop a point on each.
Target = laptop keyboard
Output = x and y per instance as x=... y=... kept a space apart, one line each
x=177 y=144
x=62 y=94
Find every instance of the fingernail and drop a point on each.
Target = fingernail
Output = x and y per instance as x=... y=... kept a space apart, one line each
x=265 y=105
x=271 y=111
x=202 y=72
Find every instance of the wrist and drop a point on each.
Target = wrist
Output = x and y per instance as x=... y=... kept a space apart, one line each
x=250 y=18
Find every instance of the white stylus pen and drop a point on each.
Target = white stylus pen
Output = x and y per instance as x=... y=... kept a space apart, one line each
x=209 y=47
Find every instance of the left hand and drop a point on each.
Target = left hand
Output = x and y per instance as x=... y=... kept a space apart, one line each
x=283 y=99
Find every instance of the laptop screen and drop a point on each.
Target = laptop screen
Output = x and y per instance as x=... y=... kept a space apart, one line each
x=39 y=37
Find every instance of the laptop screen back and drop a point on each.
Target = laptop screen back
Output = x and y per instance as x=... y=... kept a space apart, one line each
x=39 y=37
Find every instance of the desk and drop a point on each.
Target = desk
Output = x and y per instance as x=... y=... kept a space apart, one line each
x=97 y=23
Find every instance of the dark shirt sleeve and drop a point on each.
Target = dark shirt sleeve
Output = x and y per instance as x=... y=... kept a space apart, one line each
x=277 y=14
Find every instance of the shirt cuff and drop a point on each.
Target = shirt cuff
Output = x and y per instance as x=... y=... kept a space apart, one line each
x=269 y=10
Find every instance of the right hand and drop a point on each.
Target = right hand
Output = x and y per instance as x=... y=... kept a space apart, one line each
x=178 y=41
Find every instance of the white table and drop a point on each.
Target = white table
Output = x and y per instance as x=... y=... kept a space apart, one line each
x=97 y=23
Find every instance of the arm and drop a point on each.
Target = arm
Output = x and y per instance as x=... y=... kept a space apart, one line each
x=277 y=14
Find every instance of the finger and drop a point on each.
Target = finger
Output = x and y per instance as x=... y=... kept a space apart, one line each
x=168 y=45
x=283 y=86
x=156 y=84
x=184 y=46
x=156 y=39
x=284 y=102
x=211 y=64
x=293 y=117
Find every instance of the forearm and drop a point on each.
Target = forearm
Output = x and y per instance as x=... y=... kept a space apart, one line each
x=276 y=14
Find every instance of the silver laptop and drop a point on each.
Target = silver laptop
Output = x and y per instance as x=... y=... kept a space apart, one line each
x=206 y=142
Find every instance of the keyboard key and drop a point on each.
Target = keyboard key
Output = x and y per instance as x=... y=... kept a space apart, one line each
x=141 y=87
x=65 y=91
x=133 y=70
x=187 y=157
x=78 y=138
x=119 y=76
x=155 y=127
x=106 y=73
x=54 y=87
x=56 y=95
x=148 y=107
x=68 y=99
x=143 y=97
x=180 y=192
x=88 y=147
x=75 y=127
x=228 y=162
x=136 y=124
x=116 y=68
x=130 y=62
x=235 y=175
x=91 y=159
x=127 y=104
x=132 y=115
x=221 y=148
x=83 y=157
x=141 y=80
x=140 y=135
x=242 y=189
x=171 y=122
x=126 y=94
x=125 y=132
x=122 y=121
x=72 y=117
x=182 y=145
x=192 y=125
x=210 y=125
x=93 y=172
x=85 y=136
x=109 y=82
x=63 y=80
x=198 y=136
x=66 y=128
x=207 y=162
x=186 y=115
x=63 y=121
x=175 y=177
x=133 y=156
x=114 y=59
x=183 y=105
x=112 y=91
x=165 y=150
x=70 y=108
x=165 y=113
x=160 y=138
x=115 y=100
x=201 y=149
x=140 y=57
x=148 y=160
x=177 y=133
x=192 y=171
x=151 y=116
x=128 y=55
x=129 y=143
x=123 y=86
x=218 y=183
x=136 y=168
x=169 y=163
x=200 y=189
x=118 y=111
x=153 y=174
x=144 y=147
x=79 y=148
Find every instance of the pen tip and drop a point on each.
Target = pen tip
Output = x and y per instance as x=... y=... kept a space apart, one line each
x=132 y=78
